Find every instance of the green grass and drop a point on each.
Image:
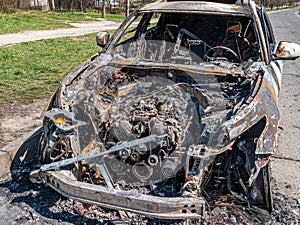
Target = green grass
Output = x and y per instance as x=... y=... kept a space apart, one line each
x=115 y=17
x=34 y=70
x=275 y=8
x=38 y=20
x=9 y=11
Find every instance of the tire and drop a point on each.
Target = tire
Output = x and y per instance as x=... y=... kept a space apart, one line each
x=261 y=188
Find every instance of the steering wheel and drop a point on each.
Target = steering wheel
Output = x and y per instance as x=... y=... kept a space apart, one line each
x=223 y=48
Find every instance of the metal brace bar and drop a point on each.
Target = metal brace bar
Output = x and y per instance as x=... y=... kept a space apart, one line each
x=57 y=165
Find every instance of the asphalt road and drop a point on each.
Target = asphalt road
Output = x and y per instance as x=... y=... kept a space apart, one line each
x=286 y=24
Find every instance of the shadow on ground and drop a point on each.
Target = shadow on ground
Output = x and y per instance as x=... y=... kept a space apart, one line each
x=37 y=202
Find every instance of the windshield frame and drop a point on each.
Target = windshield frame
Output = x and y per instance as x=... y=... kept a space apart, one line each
x=116 y=37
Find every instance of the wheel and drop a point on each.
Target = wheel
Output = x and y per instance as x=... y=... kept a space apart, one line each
x=240 y=166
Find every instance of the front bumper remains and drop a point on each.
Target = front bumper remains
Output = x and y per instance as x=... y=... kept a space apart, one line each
x=151 y=206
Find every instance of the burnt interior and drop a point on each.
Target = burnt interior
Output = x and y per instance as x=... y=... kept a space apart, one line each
x=191 y=38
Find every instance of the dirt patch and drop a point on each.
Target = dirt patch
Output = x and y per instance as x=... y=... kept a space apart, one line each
x=17 y=119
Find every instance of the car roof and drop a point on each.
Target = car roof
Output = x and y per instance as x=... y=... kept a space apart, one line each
x=205 y=7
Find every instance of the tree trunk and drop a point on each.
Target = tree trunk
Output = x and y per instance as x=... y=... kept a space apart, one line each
x=84 y=5
x=53 y=5
x=127 y=8
x=103 y=9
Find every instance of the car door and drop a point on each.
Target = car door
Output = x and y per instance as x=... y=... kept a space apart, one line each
x=275 y=66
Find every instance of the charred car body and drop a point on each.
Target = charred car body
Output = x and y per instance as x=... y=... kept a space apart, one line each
x=181 y=104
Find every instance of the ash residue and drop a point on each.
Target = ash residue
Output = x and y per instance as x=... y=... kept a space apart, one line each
x=286 y=210
x=236 y=210
x=25 y=203
x=22 y=202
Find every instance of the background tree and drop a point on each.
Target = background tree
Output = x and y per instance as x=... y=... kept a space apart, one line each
x=103 y=9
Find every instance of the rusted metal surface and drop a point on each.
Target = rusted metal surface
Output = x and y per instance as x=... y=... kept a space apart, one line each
x=159 y=207
x=171 y=113
x=198 y=6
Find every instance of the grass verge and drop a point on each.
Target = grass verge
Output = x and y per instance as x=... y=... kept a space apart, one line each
x=37 y=20
x=280 y=8
x=34 y=69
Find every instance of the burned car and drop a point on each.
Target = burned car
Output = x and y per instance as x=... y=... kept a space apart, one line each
x=180 y=105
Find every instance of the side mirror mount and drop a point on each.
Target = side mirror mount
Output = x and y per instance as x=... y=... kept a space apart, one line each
x=102 y=38
x=287 y=50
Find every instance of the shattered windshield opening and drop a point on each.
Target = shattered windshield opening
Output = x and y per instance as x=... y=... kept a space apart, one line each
x=188 y=39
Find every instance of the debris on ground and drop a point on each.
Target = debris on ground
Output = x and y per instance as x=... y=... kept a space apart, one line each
x=25 y=203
